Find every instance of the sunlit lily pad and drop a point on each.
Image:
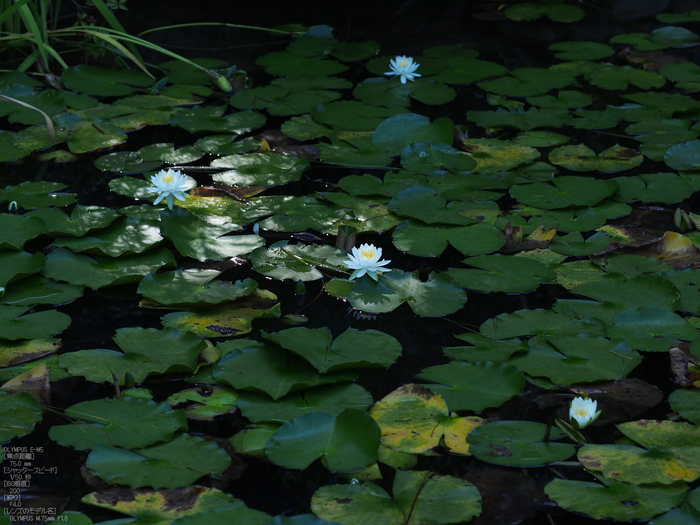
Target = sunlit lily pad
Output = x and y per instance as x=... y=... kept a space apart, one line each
x=259 y=169
x=296 y=261
x=211 y=118
x=192 y=286
x=40 y=194
x=439 y=295
x=99 y=271
x=218 y=401
x=19 y=412
x=205 y=239
x=81 y=220
x=125 y=236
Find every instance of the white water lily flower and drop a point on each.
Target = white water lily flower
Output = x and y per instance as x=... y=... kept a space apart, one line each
x=404 y=66
x=583 y=412
x=171 y=185
x=366 y=260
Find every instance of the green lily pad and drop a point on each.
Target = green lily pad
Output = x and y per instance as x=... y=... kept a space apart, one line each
x=125 y=235
x=499 y=273
x=652 y=329
x=613 y=77
x=42 y=194
x=581 y=50
x=177 y=463
x=425 y=204
x=100 y=271
x=467 y=70
x=127 y=162
x=582 y=158
x=192 y=286
x=528 y=82
x=644 y=290
x=146 y=351
x=211 y=118
x=422 y=496
x=665 y=188
x=205 y=239
x=280 y=100
x=259 y=169
x=123 y=422
x=332 y=399
x=379 y=91
x=19 y=412
x=685 y=402
x=296 y=261
x=684 y=157
x=268 y=369
x=37 y=290
x=345 y=443
x=284 y=63
x=16 y=230
x=104 y=82
x=523 y=120
x=580 y=358
x=219 y=401
x=518 y=444
x=227 y=320
x=398 y=131
x=474 y=386
x=16 y=265
x=15 y=323
x=353 y=348
x=353 y=115
x=555 y=11
x=670 y=454
x=81 y=220
x=618 y=501
x=439 y=295
x=538 y=322
x=498 y=155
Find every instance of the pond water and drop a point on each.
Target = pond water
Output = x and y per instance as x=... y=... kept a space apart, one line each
x=525 y=270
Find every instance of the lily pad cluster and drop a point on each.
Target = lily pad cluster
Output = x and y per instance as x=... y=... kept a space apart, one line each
x=515 y=195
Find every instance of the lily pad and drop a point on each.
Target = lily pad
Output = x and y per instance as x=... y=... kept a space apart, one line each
x=474 y=386
x=177 y=463
x=618 y=501
x=419 y=497
x=582 y=158
x=353 y=348
x=518 y=444
x=268 y=369
x=345 y=443
x=124 y=422
x=499 y=273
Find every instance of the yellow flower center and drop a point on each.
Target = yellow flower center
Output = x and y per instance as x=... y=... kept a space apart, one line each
x=403 y=63
x=581 y=412
x=168 y=178
x=368 y=253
